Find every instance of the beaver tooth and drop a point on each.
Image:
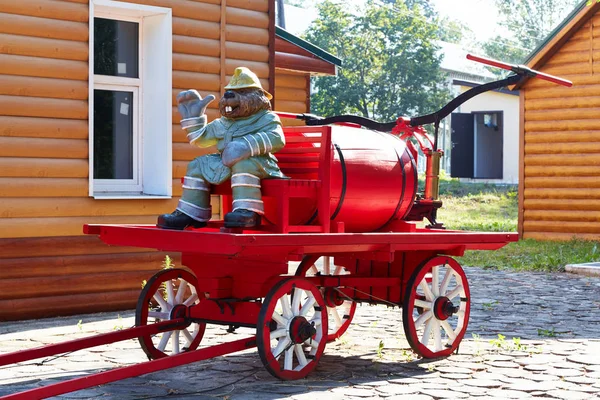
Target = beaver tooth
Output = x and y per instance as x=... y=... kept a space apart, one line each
x=228 y=109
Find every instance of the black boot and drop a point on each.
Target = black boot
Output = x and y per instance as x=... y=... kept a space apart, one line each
x=178 y=220
x=242 y=219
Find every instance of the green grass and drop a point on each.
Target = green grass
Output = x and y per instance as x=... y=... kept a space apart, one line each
x=491 y=208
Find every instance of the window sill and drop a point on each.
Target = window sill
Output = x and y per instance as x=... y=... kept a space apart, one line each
x=131 y=196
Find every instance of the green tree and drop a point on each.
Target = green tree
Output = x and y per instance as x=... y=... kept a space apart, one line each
x=390 y=61
x=529 y=23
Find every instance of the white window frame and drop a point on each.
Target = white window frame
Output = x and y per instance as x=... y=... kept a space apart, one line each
x=152 y=108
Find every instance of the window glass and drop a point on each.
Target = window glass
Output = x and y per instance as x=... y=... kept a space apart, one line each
x=116 y=45
x=113 y=134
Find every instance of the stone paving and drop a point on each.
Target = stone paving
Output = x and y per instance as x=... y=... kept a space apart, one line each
x=530 y=336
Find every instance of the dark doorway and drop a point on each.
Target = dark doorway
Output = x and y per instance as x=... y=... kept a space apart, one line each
x=463 y=140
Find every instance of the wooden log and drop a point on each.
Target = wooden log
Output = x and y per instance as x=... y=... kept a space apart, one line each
x=77 y=1
x=43 y=27
x=199 y=81
x=43 y=87
x=562 y=216
x=43 y=67
x=571 y=182
x=186 y=9
x=41 y=47
x=291 y=106
x=577 y=79
x=42 y=307
x=247 y=34
x=40 y=207
x=43 y=147
x=561 y=204
x=59 y=246
x=568 y=68
x=556 y=236
x=194 y=63
x=43 y=187
x=240 y=16
x=62 y=226
x=261 y=69
x=302 y=63
x=247 y=52
x=292 y=122
x=562 y=148
x=571 y=125
x=569 y=57
x=563 y=159
x=562 y=137
x=186 y=152
x=43 y=127
x=195 y=28
x=562 y=226
x=288 y=94
x=43 y=107
x=561 y=114
x=42 y=167
x=197 y=46
x=179 y=169
x=283 y=79
x=47 y=9
x=560 y=170
x=256 y=5
x=23 y=288
x=179 y=135
x=561 y=92
x=562 y=193
x=39 y=267
x=575 y=45
x=560 y=103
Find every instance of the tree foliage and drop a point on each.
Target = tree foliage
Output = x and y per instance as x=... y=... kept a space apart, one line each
x=390 y=61
x=529 y=23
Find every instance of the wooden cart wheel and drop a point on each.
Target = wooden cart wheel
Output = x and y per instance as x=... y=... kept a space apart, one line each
x=291 y=330
x=436 y=307
x=161 y=294
x=340 y=310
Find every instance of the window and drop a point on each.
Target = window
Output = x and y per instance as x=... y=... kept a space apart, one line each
x=130 y=100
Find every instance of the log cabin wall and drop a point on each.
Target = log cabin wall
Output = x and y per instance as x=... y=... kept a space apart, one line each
x=47 y=267
x=293 y=94
x=561 y=143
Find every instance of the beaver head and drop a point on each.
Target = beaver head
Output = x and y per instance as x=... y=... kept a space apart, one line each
x=242 y=103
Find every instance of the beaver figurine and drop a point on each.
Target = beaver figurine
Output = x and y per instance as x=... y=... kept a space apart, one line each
x=245 y=136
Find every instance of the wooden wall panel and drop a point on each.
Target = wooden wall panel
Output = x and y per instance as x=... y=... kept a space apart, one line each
x=43 y=127
x=47 y=9
x=43 y=187
x=43 y=27
x=293 y=95
x=562 y=144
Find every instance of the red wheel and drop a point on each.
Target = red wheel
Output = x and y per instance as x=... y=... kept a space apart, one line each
x=292 y=329
x=166 y=290
x=436 y=307
x=340 y=310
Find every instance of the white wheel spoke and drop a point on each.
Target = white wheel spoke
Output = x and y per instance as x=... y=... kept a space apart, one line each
x=316 y=321
x=423 y=304
x=336 y=317
x=445 y=281
x=164 y=340
x=158 y=314
x=170 y=294
x=278 y=333
x=314 y=345
x=191 y=300
x=338 y=270
x=326 y=265
x=289 y=359
x=296 y=297
x=285 y=306
x=181 y=291
x=308 y=305
x=300 y=356
x=437 y=335
x=449 y=331
x=176 y=342
x=460 y=314
x=435 y=281
x=282 y=344
x=428 y=294
x=313 y=269
x=457 y=291
x=427 y=332
x=422 y=318
x=279 y=319
x=189 y=338
x=161 y=302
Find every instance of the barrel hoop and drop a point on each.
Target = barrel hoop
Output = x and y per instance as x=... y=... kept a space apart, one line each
x=412 y=200
x=344 y=182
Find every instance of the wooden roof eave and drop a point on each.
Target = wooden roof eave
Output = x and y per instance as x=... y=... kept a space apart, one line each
x=559 y=36
x=295 y=54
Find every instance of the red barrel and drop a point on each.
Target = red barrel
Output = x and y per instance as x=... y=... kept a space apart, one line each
x=373 y=181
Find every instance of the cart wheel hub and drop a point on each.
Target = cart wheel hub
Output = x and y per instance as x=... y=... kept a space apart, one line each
x=332 y=298
x=443 y=308
x=301 y=330
x=179 y=311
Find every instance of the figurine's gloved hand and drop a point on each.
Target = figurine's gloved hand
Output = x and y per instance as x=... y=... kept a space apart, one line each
x=191 y=105
x=235 y=152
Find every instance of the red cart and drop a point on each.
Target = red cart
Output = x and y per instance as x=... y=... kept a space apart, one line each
x=350 y=215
